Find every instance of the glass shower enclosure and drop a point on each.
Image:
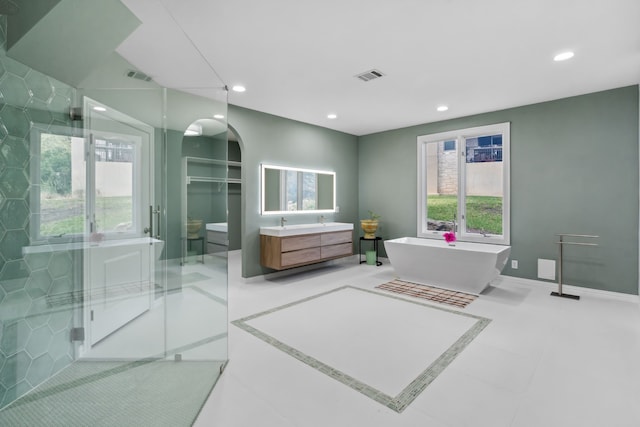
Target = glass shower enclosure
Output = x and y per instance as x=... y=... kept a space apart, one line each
x=112 y=311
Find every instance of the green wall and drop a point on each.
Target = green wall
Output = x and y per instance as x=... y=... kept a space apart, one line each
x=265 y=138
x=574 y=169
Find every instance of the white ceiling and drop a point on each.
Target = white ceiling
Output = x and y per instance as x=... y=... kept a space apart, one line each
x=298 y=58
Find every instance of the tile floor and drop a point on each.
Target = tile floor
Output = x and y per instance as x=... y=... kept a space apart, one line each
x=542 y=361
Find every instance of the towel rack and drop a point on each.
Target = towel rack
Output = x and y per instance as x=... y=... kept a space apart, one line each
x=561 y=242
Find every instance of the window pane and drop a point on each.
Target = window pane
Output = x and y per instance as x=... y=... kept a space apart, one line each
x=291 y=190
x=62 y=185
x=442 y=185
x=484 y=185
x=309 y=186
x=484 y=149
x=114 y=177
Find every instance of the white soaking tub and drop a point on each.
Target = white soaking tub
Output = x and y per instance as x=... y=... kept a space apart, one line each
x=466 y=267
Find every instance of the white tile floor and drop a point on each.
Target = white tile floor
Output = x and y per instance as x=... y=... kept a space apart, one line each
x=542 y=361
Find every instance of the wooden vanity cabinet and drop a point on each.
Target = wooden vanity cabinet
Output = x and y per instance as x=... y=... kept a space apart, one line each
x=285 y=252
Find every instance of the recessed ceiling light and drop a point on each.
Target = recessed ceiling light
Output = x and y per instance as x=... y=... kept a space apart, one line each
x=218 y=116
x=238 y=88
x=563 y=56
x=98 y=108
x=332 y=116
x=442 y=108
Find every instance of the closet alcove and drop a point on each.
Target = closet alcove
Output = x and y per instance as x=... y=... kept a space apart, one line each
x=211 y=169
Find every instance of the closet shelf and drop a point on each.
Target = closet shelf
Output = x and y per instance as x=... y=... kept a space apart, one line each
x=195 y=177
x=191 y=179
x=213 y=161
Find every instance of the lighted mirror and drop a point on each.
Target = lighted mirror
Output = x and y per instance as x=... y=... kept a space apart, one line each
x=293 y=190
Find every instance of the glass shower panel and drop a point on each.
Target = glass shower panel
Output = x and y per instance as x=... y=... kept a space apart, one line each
x=199 y=162
x=40 y=221
x=100 y=318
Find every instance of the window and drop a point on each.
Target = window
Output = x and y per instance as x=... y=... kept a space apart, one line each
x=463 y=184
x=82 y=187
x=300 y=190
x=61 y=201
x=449 y=145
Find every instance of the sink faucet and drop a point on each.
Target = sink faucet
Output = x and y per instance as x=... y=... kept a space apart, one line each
x=282 y=221
x=321 y=219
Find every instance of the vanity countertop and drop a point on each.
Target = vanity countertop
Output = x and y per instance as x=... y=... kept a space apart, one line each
x=297 y=229
x=217 y=226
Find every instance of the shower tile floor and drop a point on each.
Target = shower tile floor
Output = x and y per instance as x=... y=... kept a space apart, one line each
x=542 y=361
x=131 y=378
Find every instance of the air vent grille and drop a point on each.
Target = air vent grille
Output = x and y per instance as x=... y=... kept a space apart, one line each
x=370 y=75
x=139 y=75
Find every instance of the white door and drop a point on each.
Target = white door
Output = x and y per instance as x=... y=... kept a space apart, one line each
x=119 y=251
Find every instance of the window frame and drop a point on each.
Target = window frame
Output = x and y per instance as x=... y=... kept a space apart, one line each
x=89 y=212
x=460 y=136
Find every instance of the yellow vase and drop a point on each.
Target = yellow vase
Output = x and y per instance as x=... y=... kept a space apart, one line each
x=193 y=228
x=369 y=226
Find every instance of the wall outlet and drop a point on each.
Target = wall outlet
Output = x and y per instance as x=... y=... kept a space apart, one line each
x=514 y=264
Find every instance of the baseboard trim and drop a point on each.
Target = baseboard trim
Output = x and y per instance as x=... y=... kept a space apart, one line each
x=572 y=289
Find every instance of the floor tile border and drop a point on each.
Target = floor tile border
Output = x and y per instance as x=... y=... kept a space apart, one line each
x=397 y=403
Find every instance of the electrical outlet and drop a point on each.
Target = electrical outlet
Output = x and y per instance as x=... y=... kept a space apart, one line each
x=514 y=264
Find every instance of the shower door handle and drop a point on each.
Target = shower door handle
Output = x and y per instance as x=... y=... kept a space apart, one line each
x=157 y=212
x=149 y=229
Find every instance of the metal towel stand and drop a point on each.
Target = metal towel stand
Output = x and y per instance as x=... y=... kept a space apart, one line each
x=561 y=243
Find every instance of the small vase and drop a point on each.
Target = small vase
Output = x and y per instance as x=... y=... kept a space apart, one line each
x=193 y=228
x=369 y=226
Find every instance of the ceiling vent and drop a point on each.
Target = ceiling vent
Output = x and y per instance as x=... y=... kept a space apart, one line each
x=139 y=75
x=370 y=75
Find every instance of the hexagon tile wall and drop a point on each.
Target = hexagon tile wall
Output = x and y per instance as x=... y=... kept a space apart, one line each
x=35 y=328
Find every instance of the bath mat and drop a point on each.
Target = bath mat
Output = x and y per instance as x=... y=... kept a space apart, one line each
x=457 y=299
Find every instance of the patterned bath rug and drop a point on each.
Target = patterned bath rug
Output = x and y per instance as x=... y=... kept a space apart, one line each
x=457 y=299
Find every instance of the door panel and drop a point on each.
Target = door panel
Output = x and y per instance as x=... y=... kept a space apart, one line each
x=120 y=286
x=120 y=255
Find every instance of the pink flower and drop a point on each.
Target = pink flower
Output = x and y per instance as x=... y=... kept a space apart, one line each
x=449 y=237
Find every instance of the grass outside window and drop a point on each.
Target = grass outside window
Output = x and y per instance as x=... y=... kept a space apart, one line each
x=66 y=215
x=484 y=213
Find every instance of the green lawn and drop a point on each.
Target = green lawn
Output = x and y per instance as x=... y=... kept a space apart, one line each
x=65 y=215
x=484 y=213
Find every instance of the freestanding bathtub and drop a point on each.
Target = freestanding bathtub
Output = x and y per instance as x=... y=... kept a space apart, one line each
x=465 y=267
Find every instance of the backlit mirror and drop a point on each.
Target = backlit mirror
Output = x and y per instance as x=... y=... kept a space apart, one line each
x=292 y=190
